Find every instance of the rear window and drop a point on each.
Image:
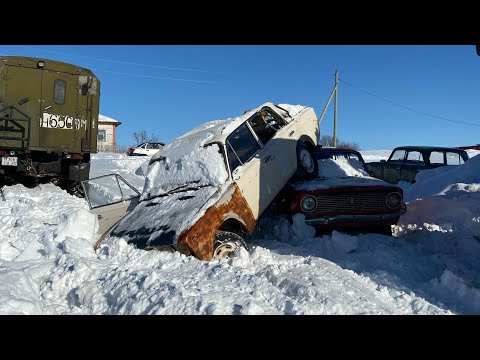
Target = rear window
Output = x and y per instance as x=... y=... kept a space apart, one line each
x=59 y=91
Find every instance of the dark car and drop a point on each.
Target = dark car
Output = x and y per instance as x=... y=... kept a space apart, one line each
x=406 y=161
x=343 y=196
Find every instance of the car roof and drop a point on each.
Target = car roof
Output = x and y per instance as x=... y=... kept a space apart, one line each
x=441 y=148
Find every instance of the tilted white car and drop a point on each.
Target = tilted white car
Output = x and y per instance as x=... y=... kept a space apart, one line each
x=205 y=191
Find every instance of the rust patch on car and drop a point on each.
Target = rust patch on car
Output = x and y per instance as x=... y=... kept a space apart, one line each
x=199 y=238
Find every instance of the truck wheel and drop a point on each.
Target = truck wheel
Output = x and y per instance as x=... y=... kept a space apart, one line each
x=75 y=188
x=307 y=166
x=226 y=244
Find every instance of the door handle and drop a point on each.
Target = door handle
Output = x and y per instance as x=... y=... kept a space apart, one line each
x=268 y=158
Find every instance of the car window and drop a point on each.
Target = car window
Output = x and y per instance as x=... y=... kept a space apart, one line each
x=353 y=156
x=151 y=146
x=398 y=156
x=454 y=158
x=107 y=190
x=241 y=146
x=265 y=125
x=436 y=157
x=414 y=158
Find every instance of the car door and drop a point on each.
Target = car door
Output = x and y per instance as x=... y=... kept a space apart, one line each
x=110 y=197
x=244 y=162
x=275 y=169
x=63 y=122
x=413 y=163
x=393 y=167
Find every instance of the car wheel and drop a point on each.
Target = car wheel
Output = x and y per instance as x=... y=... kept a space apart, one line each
x=226 y=244
x=307 y=166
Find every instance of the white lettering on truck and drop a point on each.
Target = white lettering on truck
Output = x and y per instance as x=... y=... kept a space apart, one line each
x=53 y=121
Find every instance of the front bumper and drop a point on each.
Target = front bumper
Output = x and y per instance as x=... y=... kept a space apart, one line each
x=360 y=219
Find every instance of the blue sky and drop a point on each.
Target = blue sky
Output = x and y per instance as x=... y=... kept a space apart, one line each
x=168 y=90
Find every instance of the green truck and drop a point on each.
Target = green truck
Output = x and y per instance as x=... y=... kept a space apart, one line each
x=48 y=121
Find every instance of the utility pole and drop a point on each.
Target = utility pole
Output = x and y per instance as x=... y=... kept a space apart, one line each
x=334 y=92
x=335 y=111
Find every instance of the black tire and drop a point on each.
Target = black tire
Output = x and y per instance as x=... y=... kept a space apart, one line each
x=226 y=244
x=307 y=166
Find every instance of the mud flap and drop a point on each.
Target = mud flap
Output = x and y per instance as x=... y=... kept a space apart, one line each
x=79 y=172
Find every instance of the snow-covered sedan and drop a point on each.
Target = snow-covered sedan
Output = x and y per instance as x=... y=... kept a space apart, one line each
x=205 y=191
x=343 y=196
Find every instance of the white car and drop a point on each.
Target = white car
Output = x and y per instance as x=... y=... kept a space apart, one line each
x=205 y=191
x=145 y=149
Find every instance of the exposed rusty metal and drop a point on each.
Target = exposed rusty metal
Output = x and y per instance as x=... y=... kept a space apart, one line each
x=199 y=238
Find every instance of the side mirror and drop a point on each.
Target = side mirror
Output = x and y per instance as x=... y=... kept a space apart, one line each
x=383 y=161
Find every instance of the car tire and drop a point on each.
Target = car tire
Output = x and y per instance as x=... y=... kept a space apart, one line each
x=307 y=166
x=226 y=244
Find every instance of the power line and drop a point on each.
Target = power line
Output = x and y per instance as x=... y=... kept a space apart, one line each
x=159 y=77
x=407 y=107
x=113 y=61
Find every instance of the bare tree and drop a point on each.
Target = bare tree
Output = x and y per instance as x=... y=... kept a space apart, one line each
x=327 y=140
x=142 y=136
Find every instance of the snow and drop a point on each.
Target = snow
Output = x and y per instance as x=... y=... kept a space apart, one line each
x=339 y=172
x=429 y=266
x=103 y=118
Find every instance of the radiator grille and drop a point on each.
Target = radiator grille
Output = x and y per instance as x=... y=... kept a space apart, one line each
x=369 y=201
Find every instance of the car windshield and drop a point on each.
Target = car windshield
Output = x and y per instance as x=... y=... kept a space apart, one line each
x=340 y=165
x=185 y=163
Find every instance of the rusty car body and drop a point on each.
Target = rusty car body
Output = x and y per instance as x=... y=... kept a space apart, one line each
x=342 y=196
x=205 y=191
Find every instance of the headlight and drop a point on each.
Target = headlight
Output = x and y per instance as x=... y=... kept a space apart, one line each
x=394 y=200
x=308 y=203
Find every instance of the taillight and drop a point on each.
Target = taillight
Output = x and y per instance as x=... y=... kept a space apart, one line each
x=77 y=156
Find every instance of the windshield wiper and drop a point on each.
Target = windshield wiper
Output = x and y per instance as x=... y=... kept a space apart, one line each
x=182 y=188
x=179 y=189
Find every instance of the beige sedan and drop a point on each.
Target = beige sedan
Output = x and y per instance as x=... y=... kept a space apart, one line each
x=205 y=191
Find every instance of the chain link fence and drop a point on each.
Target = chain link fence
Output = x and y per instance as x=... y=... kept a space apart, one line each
x=119 y=149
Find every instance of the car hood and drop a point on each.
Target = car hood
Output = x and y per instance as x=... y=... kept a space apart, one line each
x=333 y=183
x=161 y=220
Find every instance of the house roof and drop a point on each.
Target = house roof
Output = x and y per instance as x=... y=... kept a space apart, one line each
x=106 y=119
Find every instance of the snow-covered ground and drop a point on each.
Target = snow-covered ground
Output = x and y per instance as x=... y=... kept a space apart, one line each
x=430 y=265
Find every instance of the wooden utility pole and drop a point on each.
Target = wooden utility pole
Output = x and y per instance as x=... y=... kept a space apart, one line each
x=335 y=111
